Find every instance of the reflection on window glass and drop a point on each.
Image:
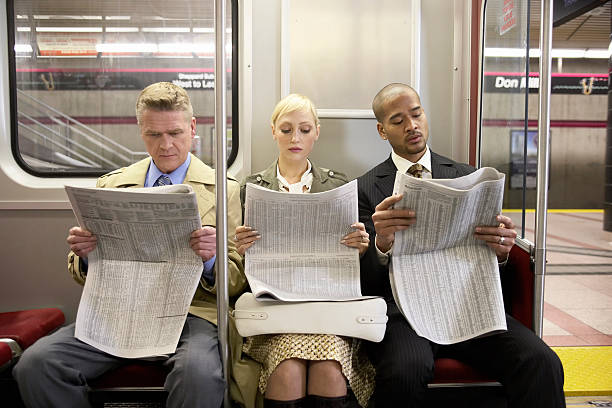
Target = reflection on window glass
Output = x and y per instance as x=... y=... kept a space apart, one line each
x=79 y=67
x=504 y=87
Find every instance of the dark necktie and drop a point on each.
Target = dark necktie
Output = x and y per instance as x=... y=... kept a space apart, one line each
x=163 y=180
x=416 y=170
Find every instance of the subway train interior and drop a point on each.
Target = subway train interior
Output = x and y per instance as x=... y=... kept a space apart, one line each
x=496 y=90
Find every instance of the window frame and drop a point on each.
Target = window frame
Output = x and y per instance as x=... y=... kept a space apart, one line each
x=14 y=133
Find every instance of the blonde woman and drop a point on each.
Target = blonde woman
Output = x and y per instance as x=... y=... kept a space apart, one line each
x=301 y=370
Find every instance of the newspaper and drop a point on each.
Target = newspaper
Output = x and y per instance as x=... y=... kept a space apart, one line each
x=143 y=274
x=299 y=256
x=445 y=281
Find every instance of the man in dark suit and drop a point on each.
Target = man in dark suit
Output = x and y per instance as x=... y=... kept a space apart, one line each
x=530 y=371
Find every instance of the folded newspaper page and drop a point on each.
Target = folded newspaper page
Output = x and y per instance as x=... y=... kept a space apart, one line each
x=143 y=274
x=445 y=281
x=299 y=256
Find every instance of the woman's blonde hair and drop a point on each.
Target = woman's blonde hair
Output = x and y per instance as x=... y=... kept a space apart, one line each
x=163 y=96
x=293 y=103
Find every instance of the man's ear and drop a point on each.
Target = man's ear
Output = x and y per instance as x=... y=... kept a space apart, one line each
x=193 y=127
x=381 y=131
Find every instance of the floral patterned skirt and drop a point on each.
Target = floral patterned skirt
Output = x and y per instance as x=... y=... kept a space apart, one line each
x=271 y=350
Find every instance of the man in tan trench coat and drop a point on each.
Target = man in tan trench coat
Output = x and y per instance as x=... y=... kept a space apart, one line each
x=54 y=372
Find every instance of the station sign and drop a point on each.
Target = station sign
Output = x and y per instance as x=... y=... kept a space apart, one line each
x=575 y=84
x=118 y=79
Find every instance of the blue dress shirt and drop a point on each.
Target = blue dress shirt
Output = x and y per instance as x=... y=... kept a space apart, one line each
x=177 y=177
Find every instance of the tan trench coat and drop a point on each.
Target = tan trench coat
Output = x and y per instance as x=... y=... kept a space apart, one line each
x=245 y=374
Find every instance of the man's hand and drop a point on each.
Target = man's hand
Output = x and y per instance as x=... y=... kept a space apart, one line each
x=387 y=221
x=245 y=237
x=500 y=238
x=81 y=241
x=359 y=238
x=204 y=242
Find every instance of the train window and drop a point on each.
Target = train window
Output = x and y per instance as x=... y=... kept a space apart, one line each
x=77 y=68
x=506 y=140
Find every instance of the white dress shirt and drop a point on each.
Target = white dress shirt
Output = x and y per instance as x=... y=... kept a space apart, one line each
x=402 y=166
x=305 y=181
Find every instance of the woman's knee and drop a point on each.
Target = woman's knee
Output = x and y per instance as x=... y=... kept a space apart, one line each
x=327 y=370
x=325 y=378
x=288 y=380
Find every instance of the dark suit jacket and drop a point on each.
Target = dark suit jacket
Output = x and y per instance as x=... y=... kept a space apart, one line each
x=375 y=186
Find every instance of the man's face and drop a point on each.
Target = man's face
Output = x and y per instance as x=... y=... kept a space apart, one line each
x=405 y=126
x=167 y=136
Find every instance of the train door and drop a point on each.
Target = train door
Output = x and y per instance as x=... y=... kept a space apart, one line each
x=574 y=317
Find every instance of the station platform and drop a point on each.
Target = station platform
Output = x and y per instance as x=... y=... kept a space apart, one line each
x=578 y=300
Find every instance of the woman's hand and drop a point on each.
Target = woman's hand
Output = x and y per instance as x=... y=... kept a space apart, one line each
x=244 y=238
x=359 y=238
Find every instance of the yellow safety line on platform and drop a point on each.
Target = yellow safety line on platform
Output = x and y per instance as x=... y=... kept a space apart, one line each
x=588 y=370
x=551 y=210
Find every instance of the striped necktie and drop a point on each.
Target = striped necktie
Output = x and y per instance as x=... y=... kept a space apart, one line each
x=163 y=180
x=416 y=170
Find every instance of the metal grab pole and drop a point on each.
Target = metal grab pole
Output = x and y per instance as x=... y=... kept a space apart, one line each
x=221 y=189
x=543 y=160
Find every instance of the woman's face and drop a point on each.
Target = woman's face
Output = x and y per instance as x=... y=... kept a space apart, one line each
x=295 y=133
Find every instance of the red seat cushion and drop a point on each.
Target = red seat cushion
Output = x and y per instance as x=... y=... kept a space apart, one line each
x=449 y=370
x=6 y=354
x=137 y=374
x=27 y=326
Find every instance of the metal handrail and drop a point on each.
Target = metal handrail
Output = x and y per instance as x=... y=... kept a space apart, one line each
x=74 y=124
x=53 y=142
x=94 y=141
x=55 y=132
x=543 y=161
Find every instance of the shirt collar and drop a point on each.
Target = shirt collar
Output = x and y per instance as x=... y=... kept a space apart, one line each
x=177 y=176
x=305 y=180
x=403 y=164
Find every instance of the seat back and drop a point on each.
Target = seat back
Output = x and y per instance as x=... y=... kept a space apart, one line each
x=517 y=287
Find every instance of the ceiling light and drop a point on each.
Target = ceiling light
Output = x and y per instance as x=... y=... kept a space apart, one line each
x=504 y=52
x=203 y=30
x=121 y=29
x=165 y=29
x=23 y=29
x=567 y=53
x=186 y=48
x=117 y=18
x=597 y=54
x=69 y=29
x=555 y=53
x=65 y=17
x=23 y=48
x=126 y=47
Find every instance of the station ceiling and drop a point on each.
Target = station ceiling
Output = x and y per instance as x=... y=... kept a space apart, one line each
x=590 y=30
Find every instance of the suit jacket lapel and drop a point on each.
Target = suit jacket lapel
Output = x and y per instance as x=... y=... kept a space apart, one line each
x=385 y=178
x=441 y=167
x=198 y=176
x=134 y=175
